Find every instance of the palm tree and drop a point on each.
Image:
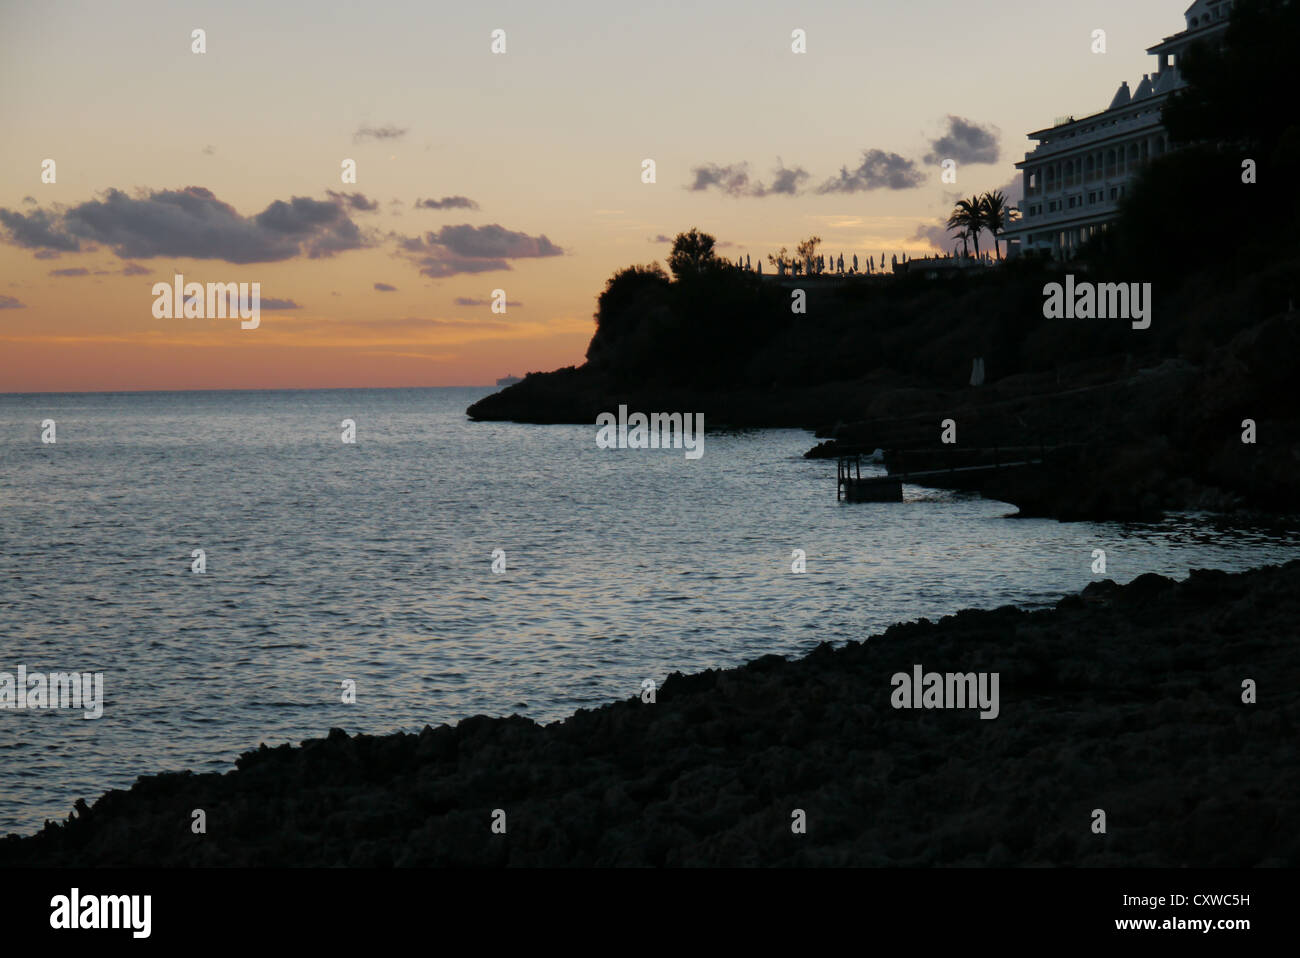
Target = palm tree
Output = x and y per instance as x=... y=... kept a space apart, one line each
x=969 y=216
x=996 y=215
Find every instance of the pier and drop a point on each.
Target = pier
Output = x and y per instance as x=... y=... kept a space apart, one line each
x=851 y=486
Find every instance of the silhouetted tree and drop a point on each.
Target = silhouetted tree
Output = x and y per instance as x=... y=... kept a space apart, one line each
x=807 y=252
x=968 y=215
x=996 y=215
x=693 y=255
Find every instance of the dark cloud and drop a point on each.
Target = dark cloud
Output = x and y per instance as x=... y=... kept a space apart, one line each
x=469 y=301
x=193 y=223
x=787 y=180
x=37 y=230
x=8 y=302
x=388 y=132
x=70 y=271
x=718 y=244
x=473 y=249
x=134 y=269
x=1015 y=190
x=734 y=180
x=447 y=203
x=966 y=142
x=47 y=254
x=493 y=240
x=878 y=170
x=263 y=302
x=937 y=235
x=385 y=288
x=30 y=200
x=354 y=201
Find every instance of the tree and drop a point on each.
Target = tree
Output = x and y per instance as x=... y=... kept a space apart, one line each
x=693 y=255
x=968 y=216
x=995 y=216
x=625 y=289
x=807 y=251
x=1223 y=101
x=781 y=261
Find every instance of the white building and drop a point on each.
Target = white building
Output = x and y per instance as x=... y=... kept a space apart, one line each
x=1081 y=168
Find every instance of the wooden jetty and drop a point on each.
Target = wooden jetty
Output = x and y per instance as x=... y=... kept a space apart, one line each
x=852 y=487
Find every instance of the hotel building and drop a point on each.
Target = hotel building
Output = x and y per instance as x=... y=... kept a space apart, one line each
x=1081 y=169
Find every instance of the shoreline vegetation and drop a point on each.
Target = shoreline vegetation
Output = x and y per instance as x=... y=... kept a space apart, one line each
x=1128 y=699
x=1136 y=421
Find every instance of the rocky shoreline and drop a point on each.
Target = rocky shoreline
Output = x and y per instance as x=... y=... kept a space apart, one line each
x=1126 y=699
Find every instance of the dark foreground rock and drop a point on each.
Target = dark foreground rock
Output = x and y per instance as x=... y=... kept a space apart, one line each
x=1125 y=699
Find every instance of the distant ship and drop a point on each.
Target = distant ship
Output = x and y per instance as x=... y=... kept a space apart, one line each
x=508 y=380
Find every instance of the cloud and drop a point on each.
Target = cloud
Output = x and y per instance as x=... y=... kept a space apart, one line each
x=8 y=302
x=469 y=301
x=661 y=238
x=134 y=269
x=1015 y=189
x=878 y=170
x=966 y=142
x=354 y=201
x=473 y=249
x=385 y=288
x=70 y=271
x=37 y=230
x=447 y=203
x=47 y=254
x=937 y=235
x=388 y=132
x=193 y=223
x=263 y=302
x=787 y=180
x=734 y=180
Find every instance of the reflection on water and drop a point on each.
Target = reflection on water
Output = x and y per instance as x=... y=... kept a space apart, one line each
x=372 y=562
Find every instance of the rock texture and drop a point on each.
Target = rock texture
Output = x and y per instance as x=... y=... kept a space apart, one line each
x=1125 y=699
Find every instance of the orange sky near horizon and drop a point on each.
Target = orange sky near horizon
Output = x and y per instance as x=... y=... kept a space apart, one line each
x=547 y=140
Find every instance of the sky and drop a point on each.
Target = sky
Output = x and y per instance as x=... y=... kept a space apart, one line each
x=478 y=171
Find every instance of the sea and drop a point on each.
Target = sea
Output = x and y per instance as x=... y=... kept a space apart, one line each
x=438 y=568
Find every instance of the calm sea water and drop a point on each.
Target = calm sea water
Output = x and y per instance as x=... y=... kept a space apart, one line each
x=372 y=562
